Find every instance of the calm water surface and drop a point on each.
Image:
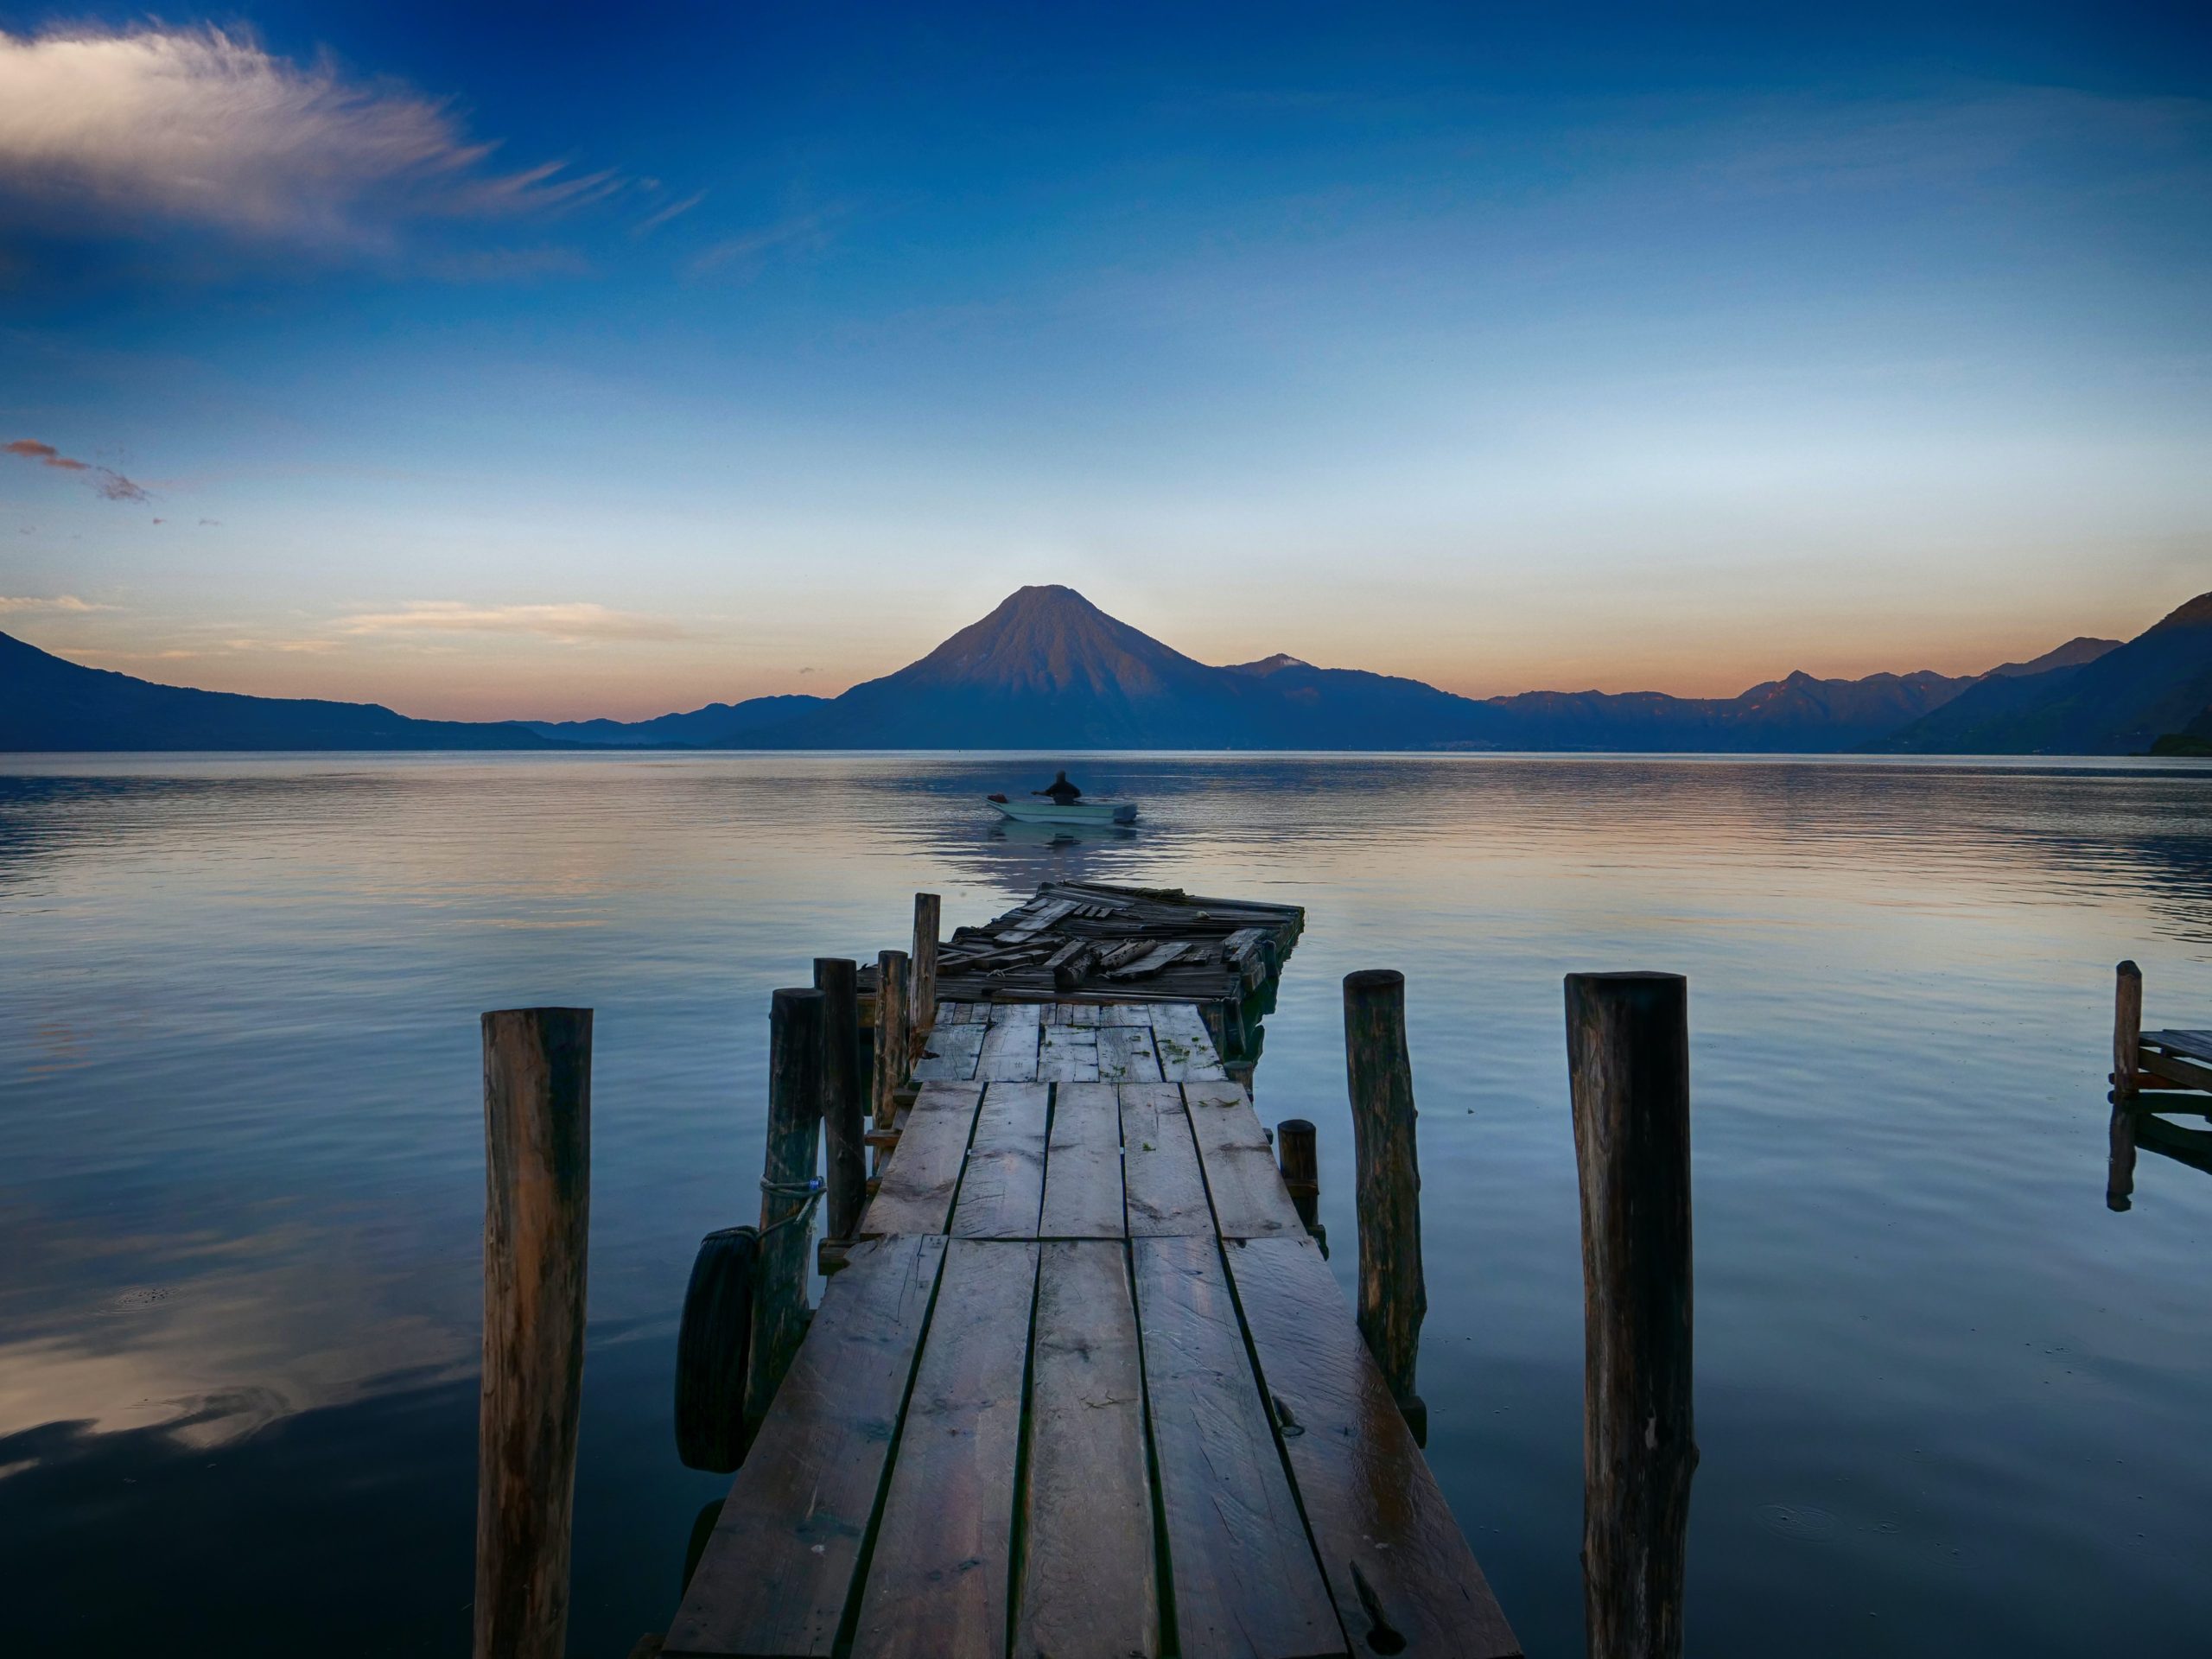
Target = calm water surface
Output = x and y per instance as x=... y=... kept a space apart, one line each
x=1949 y=1402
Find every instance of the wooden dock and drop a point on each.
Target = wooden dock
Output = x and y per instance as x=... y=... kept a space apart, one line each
x=1084 y=1388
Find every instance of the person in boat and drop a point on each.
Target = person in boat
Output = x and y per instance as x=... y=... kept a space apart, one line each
x=1063 y=793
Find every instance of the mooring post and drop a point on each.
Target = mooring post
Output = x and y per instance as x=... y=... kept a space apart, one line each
x=1298 y=1155
x=894 y=1035
x=844 y=1125
x=1393 y=1296
x=921 y=994
x=2127 y=1030
x=536 y=1223
x=796 y=1022
x=1628 y=1064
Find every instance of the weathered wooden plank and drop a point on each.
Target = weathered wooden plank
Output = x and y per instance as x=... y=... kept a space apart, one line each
x=2195 y=1044
x=1004 y=1185
x=1245 y=1580
x=918 y=1184
x=1152 y=960
x=949 y=1054
x=1079 y=1014
x=1184 y=1046
x=1088 y=1570
x=1166 y=1194
x=1126 y=1054
x=1126 y=1013
x=1397 y=1565
x=1069 y=1054
x=1083 y=1171
x=1017 y=1014
x=1009 y=1053
x=937 y=1583
x=1250 y=1200
x=777 y=1572
x=963 y=1014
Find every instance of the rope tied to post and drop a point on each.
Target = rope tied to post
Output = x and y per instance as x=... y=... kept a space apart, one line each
x=811 y=1190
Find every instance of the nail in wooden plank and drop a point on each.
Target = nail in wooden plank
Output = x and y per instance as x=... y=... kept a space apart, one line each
x=937 y=1584
x=1245 y=1581
x=778 y=1571
x=1004 y=1185
x=1088 y=1570
x=1397 y=1565
x=1082 y=1169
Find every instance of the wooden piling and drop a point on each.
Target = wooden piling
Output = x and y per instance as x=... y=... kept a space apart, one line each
x=843 y=1123
x=2127 y=1030
x=536 y=1223
x=1299 y=1156
x=796 y=1021
x=894 y=1035
x=921 y=992
x=1628 y=1071
x=1393 y=1296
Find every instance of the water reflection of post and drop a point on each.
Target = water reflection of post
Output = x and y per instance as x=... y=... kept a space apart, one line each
x=2120 y=1167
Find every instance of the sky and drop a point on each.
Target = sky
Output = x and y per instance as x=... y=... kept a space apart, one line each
x=543 y=362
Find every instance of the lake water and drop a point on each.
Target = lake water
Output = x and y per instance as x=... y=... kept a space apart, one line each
x=1949 y=1401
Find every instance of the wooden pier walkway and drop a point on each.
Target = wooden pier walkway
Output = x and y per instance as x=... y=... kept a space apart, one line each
x=1084 y=1388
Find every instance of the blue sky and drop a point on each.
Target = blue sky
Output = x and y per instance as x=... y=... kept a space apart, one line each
x=542 y=361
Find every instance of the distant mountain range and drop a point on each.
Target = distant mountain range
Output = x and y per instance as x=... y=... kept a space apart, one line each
x=1048 y=670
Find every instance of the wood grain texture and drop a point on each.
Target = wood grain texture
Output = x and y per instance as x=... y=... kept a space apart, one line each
x=842 y=1113
x=1126 y=1013
x=948 y=1053
x=2127 y=1026
x=938 y=1582
x=1393 y=1291
x=536 y=1227
x=1250 y=1200
x=1087 y=1589
x=1246 y=1584
x=1185 y=1047
x=1126 y=1055
x=919 y=1181
x=921 y=973
x=796 y=1021
x=1009 y=1052
x=1629 y=1075
x=776 y=1575
x=1004 y=1185
x=1165 y=1190
x=1397 y=1565
x=1082 y=1168
x=1068 y=1054
x=894 y=1035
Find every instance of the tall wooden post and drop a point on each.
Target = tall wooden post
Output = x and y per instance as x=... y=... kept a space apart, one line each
x=894 y=1035
x=2127 y=1030
x=1393 y=1296
x=921 y=996
x=843 y=1123
x=536 y=1223
x=1628 y=1062
x=779 y=1303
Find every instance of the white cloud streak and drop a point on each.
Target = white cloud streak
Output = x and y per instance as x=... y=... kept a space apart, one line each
x=204 y=126
x=59 y=604
x=578 y=624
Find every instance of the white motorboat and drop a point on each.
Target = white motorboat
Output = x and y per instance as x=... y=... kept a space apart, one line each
x=1073 y=812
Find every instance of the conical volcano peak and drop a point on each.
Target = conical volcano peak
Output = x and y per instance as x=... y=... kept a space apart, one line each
x=1051 y=638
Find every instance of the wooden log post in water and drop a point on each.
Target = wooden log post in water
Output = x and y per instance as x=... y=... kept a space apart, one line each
x=1298 y=1155
x=537 y=1222
x=2127 y=1030
x=894 y=1035
x=1393 y=1296
x=921 y=990
x=1629 y=1072
x=796 y=1021
x=844 y=1117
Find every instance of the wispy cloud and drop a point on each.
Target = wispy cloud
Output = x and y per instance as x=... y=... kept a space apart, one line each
x=576 y=624
x=60 y=604
x=109 y=482
x=206 y=126
x=743 y=257
x=653 y=221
